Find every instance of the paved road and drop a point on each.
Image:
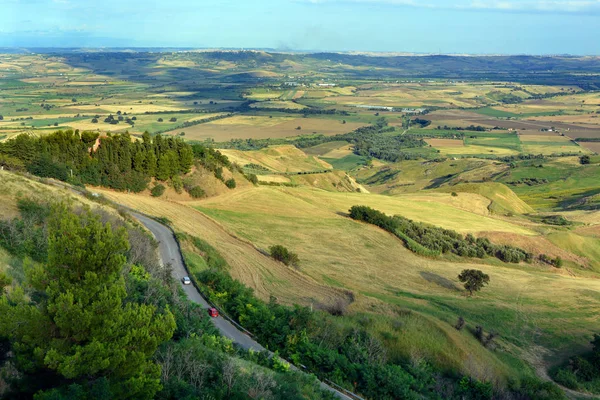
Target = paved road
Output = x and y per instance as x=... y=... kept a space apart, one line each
x=169 y=253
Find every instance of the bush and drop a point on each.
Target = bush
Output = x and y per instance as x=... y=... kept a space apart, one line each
x=230 y=183
x=567 y=378
x=177 y=183
x=160 y=120
x=252 y=178
x=454 y=194
x=196 y=192
x=460 y=323
x=280 y=253
x=584 y=160
x=157 y=190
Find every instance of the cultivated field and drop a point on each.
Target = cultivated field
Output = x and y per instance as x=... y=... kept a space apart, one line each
x=277 y=159
x=263 y=127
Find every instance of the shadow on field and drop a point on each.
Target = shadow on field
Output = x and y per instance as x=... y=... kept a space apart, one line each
x=439 y=280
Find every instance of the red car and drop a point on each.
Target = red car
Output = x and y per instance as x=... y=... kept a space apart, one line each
x=213 y=312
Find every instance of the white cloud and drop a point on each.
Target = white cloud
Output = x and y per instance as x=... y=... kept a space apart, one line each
x=570 y=6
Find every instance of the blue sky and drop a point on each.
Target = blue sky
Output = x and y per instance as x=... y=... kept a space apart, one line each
x=427 y=26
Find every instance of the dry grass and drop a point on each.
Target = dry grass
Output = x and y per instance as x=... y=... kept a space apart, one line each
x=278 y=158
x=474 y=149
x=432 y=208
x=16 y=186
x=340 y=152
x=503 y=198
x=521 y=302
x=130 y=108
x=453 y=143
x=278 y=104
x=258 y=127
x=249 y=265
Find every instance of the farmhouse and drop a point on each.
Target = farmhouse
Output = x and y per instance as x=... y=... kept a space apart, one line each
x=414 y=110
x=379 y=108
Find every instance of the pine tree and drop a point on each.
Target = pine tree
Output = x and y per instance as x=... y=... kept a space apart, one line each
x=150 y=163
x=163 y=169
x=139 y=161
x=186 y=158
x=81 y=327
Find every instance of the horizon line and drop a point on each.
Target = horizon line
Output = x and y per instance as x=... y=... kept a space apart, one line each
x=291 y=51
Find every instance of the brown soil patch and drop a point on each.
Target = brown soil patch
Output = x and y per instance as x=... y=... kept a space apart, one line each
x=593 y=146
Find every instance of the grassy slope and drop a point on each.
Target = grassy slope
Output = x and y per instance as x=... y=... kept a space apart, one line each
x=567 y=181
x=412 y=176
x=503 y=199
x=278 y=158
x=520 y=304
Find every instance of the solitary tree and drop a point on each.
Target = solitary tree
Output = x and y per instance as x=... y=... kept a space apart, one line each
x=473 y=279
x=584 y=159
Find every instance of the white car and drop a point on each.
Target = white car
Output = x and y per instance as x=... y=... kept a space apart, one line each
x=186 y=280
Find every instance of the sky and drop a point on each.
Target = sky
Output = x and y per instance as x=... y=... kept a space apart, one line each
x=413 y=26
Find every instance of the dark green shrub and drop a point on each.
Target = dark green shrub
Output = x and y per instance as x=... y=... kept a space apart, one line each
x=280 y=253
x=567 y=378
x=157 y=190
x=252 y=178
x=230 y=183
x=196 y=192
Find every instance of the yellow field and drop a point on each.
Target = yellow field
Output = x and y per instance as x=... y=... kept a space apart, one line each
x=278 y=159
x=431 y=207
x=473 y=149
x=452 y=143
x=502 y=198
x=129 y=108
x=278 y=104
x=265 y=95
x=263 y=127
x=340 y=152
x=545 y=144
x=587 y=118
x=421 y=94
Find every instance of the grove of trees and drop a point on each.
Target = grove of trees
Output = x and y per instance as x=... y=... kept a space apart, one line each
x=119 y=162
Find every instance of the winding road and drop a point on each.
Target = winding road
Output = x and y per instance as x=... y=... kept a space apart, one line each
x=170 y=254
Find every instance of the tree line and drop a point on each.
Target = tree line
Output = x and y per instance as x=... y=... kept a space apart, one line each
x=118 y=162
x=429 y=240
